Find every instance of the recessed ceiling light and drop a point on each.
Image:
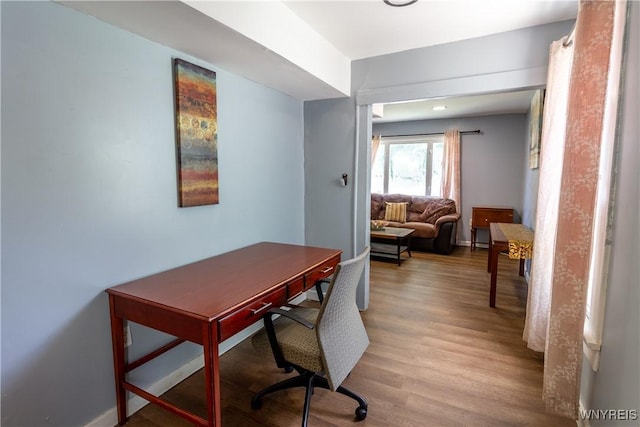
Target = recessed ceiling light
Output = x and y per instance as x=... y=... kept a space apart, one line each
x=439 y=108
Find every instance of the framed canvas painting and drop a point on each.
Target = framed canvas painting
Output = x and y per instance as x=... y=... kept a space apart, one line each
x=535 y=128
x=196 y=134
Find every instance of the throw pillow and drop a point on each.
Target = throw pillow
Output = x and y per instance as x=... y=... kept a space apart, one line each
x=437 y=208
x=396 y=212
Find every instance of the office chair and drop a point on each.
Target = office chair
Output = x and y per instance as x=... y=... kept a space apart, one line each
x=323 y=345
x=318 y=286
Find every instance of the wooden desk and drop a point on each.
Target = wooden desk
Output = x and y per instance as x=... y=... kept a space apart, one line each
x=482 y=216
x=515 y=238
x=207 y=302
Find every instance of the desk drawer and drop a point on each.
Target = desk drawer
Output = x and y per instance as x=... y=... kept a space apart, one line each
x=324 y=270
x=482 y=217
x=250 y=313
x=295 y=287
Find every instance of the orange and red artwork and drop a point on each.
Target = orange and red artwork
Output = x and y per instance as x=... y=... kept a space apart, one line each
x=197 y=134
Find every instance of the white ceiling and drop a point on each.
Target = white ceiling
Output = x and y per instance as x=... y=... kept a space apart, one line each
x=304 y=48
x=365 y=28
x=463 y=106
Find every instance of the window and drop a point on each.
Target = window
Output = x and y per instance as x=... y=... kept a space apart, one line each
x=408 y=165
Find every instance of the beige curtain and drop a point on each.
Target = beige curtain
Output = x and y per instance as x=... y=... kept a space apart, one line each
x=375 y=144
x=551 y=159
x=567 y=269
x=450 y=184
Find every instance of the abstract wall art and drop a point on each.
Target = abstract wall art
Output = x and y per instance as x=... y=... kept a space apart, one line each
x=196 y=134
x=535 y=128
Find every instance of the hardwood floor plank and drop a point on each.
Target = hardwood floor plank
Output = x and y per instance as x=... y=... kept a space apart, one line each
x=439 y=356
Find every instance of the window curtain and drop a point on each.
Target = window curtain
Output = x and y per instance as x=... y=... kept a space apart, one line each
x=554 y=121
x=566 y=269
x=375 y=144
x=450 y=184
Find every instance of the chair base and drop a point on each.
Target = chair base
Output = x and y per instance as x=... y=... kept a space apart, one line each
x=309 y=380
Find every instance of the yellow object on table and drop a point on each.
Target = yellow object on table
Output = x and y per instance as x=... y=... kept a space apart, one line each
x=520 y=240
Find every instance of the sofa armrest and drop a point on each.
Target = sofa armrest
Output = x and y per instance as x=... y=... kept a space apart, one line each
x=447 y=218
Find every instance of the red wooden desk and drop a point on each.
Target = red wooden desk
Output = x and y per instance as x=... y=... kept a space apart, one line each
x=207 y=302
x=519 y=244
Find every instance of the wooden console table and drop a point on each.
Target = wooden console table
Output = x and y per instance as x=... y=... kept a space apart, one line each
x=515 y=238
x=482 y=216
x=207 y=302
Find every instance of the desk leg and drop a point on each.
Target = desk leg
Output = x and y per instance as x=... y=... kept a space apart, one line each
x=212 y=373
x=521 y=270
x=117 y=342
x=473 y=239
x=494 y=254
x=489 y=255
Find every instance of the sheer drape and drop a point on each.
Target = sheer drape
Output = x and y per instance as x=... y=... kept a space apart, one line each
x=564 y=268
x=451 y=167
x=587 y=100
x=375 y=144
x=551 y=159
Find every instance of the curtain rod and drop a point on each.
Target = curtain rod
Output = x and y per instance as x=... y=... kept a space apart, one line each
x=568 y=39
x=464 y=132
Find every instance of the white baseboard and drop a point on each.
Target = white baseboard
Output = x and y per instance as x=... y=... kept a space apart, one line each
x=135 y=403
x=481 y=245
x=468 y=243
x=313 y=295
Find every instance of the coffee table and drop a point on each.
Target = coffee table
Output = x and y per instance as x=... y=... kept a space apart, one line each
x=391 y=242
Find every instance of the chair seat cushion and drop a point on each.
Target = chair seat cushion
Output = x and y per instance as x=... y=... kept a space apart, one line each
x=299 y=344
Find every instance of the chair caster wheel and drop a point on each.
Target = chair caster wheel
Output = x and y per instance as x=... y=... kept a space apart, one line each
x=361 y=414
x=256 y=404
x=288 y=369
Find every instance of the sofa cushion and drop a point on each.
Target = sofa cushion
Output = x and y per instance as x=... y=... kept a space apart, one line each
x=419 y=204
x=396 y=212
x=397 y=198
x=422 y=229
x=377 y=205
x=437 y=208
x=413 y=217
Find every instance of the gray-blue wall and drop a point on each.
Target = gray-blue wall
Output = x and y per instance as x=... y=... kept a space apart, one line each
x=326 y=162
x=491 y=162
x=89 y=199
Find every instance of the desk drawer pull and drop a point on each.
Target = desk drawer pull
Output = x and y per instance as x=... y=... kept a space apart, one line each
x=265 y=306
x=244 y=316
x=326 y=270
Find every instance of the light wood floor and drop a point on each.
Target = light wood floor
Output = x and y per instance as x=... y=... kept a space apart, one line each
x=439 y=356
